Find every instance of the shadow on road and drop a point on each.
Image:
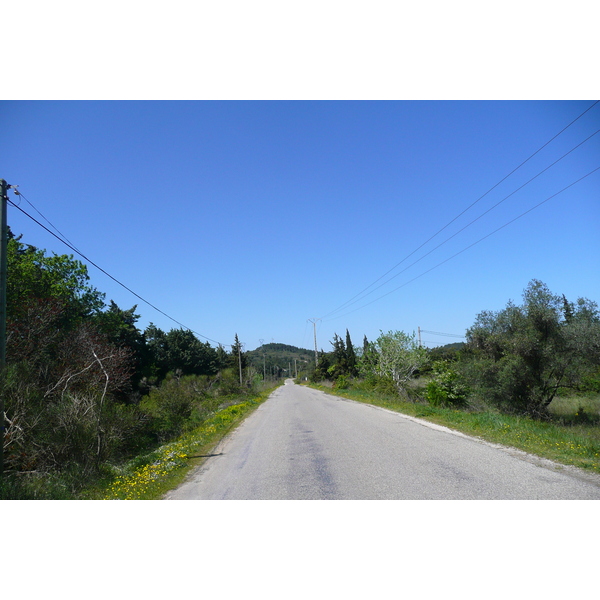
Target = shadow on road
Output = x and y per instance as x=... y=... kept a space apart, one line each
x=204 y=455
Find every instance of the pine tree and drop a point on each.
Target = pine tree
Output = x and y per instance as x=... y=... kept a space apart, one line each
x=340 y=359
x=237 y=355
x=350 y=357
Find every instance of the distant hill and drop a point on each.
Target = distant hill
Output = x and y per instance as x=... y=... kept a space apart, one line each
x=447 y=352
x=276 y=360
x=454 y=346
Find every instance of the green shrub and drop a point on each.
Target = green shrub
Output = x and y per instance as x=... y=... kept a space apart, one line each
x=229 y=383
x=446 y=388
x=385 y=385
x=342 y=382
x=591 y=382
x=178 y=402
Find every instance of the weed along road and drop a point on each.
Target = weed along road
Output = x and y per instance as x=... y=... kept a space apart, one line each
x=303 y=444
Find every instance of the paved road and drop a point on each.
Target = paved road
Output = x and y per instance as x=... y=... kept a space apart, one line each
x=304 y=444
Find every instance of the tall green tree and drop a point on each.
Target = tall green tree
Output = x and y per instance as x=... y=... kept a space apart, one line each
x=323 y=367
x=339 y=361
x=350 y=356
x=179 y=350
x=395 y=356
x=237 y=356
x=368 y=359
x=188 y=354
x=524 y=354
x=35 y=278
x=119 y=326
x=65 y=374
x=222 y=358
x=156 y=362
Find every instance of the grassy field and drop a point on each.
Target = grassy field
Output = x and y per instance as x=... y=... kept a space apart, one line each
x=572 y=437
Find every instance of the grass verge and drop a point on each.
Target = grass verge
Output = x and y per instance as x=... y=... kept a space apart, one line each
x=151 y=476
x=576 y=444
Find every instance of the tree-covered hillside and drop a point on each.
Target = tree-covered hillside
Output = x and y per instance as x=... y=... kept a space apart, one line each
x=279 y=360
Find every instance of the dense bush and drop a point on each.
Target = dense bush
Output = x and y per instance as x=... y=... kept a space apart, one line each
x=342 y=382
x=522 y=356
x=84 y=387
x=446 y=387
x=180 y=401
x=394 y=357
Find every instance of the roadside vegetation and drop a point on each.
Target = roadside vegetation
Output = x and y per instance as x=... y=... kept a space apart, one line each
x=96 y=408
x=91 y=400
x=528 y=377
x=150 y=476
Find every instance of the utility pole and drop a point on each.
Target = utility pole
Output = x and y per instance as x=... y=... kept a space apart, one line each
x=3 y=244
x=240 y=361
x=314 y=322
x=296 y=365
x=264 y=360
x=419 y=335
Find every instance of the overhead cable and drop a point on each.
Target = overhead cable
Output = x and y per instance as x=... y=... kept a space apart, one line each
x=470 y=245
x=110 y=276
x=454 y=335
x=463 y=212
x=21 y=195
x=473 y=221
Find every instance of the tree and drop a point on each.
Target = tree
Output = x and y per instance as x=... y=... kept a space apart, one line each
x=222 y=358
x=350 y=356
x=119 y=327
x=368 y=359
x=339 y=361
x=323 y=367
x=179 y=350
x=237 y=358
x=35 y=277
x=60 y=400
x=66 y=367
x=525 y=354
x=446 y=386
x=156 y=363
x=396 y=356
x=343 y=358
x=188 y=354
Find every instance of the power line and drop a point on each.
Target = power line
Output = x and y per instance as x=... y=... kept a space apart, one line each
x=453 y=335
x=470 y=245
x=349 y=302
x=434 y=344
x=473 y=221
x=109 y=275
x=18 y=193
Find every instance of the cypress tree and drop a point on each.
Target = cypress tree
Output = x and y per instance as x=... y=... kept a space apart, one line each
x=350 y=356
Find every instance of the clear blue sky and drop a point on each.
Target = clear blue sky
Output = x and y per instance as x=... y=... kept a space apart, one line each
x=251 y=217
x=254 y=217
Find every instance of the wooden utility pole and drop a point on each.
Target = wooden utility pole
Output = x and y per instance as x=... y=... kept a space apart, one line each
x=314 y=322
x=264 y=360
x=3 y=244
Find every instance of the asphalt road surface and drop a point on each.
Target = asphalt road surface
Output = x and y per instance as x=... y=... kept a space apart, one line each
x=303 y=444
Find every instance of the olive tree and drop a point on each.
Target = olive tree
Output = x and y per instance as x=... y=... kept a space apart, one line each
x=524 y=354
x=396 y=356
